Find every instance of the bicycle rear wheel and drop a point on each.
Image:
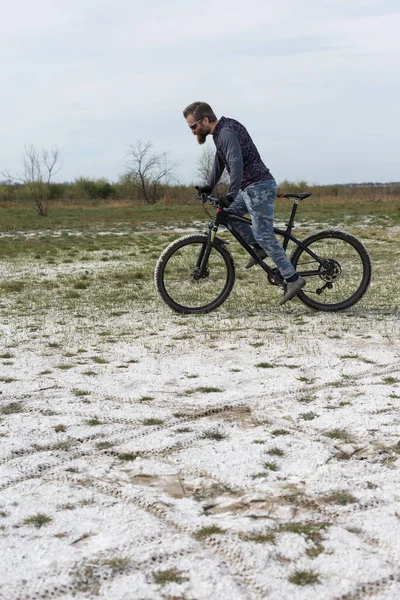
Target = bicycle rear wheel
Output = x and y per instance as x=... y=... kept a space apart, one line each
x=342 y=278
x=177 y=275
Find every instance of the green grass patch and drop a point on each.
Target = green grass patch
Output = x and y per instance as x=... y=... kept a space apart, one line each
x=38 y=520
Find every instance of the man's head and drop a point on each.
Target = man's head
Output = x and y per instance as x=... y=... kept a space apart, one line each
x=201 y=119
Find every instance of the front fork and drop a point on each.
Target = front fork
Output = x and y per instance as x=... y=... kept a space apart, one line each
x=205 y=251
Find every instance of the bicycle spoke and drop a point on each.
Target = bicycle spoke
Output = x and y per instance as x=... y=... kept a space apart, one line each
x=343 y=275
x=182 y=280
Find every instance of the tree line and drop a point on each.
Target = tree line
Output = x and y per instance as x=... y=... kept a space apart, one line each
x=149 y=178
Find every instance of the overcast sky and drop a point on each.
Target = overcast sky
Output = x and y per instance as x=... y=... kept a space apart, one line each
x=317 y=84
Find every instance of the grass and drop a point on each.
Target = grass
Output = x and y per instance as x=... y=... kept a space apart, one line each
x=93 y=422
x=11 y=408
x=169 y=576
x=341 y=497
x=276 y=452
x=306 y=577
x=152 y=421
x=390 y=380
x=127 y=456
x=60 y=428
x=38 y=520
x=213 y=434
x=339 y=433
x=80 y=393
x=202 y=390
x=205 y=532
x=260 y=538
x=271 y=466
x=308 y=416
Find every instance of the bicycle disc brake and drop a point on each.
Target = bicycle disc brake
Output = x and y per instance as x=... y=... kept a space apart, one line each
x=196 y=274
x=330 y=271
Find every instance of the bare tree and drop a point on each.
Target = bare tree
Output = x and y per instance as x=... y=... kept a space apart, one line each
x=38 y=170
x=204 y=168
x=147 y=170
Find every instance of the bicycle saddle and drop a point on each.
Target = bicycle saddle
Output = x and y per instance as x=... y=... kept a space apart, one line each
x=302 y=196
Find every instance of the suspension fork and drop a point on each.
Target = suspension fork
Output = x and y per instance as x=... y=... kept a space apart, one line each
x=204 y=254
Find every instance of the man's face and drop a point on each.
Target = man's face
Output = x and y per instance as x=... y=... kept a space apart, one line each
x=200 y=128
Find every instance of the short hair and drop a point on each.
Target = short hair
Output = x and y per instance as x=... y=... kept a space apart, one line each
x=200 y=110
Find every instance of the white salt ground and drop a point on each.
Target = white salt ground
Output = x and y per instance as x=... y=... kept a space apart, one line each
x=194 y=435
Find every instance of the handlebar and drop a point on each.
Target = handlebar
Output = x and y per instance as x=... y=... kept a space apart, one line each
x=204 y=198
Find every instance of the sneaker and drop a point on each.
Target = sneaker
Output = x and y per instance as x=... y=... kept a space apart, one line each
x=260 y=253
x=291 y=289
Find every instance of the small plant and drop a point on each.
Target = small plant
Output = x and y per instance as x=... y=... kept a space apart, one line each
x=127 y=456
x=265 y=365
x=90 y=373
x=260 y=538
x=390 y=380
x=13 y=407
x=308 y=380
x=308 y=416
x=206 y=532
x=271 y=466
x=276 y=452
x=152 y=421
x=213 y=434
x=371 y=486
x=277 y=432
x=167 y=576
x=93 y=421
x=203 y=390
x=117 y=564
x=99 y=360
x=79 y=393
x=258 y=441
x=7 y=355
x=306 y=399
x=60 y=428
x=339 y=434
x=104 y=445
x=307 y=577
x=38 y=520
x=146 y=399
x=341 y=497
x=7 y=379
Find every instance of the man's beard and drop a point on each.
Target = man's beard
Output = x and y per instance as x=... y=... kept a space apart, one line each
x=202 y=135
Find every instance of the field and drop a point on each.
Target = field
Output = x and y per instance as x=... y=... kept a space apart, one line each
x=249 y=453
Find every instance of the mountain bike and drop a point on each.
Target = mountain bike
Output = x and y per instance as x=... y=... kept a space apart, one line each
x=196 y=273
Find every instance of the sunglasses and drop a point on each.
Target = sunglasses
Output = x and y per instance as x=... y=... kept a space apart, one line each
x=193 y=127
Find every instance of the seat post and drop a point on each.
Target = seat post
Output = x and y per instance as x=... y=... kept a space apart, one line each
x=291 y=219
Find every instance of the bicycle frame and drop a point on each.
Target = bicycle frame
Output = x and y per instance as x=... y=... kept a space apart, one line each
x=226 y=219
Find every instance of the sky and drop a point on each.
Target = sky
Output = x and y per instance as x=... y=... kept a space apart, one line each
x=317 y=84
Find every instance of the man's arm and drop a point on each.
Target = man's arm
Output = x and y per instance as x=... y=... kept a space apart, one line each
x=216 y=171
x=230 y=146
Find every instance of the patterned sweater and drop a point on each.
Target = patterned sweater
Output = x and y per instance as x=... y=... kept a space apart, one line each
x=237 y=153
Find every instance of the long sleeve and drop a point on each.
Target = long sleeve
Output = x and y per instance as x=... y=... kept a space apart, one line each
x=216 y=171
x=230 y=147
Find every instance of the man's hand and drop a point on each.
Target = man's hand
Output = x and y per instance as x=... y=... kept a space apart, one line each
x=206 y=189
x=225 y=201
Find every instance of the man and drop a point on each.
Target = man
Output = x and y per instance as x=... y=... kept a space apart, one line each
x=252 y=187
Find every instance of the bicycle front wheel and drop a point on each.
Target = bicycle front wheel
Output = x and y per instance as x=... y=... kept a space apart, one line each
x=343 y=276
x=178 y=279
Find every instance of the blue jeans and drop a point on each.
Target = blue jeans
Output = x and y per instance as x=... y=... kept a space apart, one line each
x=258 y=200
